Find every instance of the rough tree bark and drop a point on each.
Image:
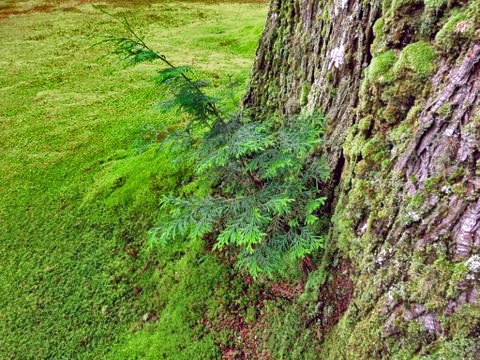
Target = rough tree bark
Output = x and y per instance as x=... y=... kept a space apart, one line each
x=399 y=81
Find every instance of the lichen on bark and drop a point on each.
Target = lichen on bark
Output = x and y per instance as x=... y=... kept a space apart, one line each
x=399 y=81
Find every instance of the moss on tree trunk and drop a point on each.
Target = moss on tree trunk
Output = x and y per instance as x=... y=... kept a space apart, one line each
x=400 y=83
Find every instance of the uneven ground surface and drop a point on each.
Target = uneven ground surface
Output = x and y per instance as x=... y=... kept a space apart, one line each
x=76 y=197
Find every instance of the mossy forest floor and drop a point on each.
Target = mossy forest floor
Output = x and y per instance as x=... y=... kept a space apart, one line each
x=77 y=198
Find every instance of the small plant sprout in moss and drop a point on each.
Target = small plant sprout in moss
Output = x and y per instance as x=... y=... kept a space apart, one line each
x=187 y=93
x=267 y=196
x=265 y=175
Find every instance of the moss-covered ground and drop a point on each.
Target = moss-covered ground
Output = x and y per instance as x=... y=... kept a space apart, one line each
x=77 y=198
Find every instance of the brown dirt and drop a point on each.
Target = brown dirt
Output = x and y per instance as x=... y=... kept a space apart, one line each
x=16 y=8
x=245 y=344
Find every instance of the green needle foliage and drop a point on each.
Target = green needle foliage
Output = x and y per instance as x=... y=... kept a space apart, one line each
x=188 y=97
x=264 y=201
x=265 y=175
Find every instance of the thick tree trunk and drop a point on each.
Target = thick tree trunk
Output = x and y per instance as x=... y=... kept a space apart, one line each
x=399 y=81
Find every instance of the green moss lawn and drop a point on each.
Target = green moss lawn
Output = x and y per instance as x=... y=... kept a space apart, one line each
x=77 y=197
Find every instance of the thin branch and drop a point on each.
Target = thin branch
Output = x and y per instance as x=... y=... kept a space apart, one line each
x=139 y=41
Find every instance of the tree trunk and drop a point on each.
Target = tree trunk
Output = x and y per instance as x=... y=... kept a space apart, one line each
x=399 y=81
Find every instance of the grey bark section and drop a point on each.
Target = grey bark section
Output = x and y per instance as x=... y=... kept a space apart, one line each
x=316 y=50
x=454 y=137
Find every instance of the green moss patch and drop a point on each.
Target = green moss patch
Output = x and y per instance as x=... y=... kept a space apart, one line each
x=418 y=57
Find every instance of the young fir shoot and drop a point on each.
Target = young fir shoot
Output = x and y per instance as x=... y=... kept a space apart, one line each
x=187 y=93
x=264 y=174
x=264 y=203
